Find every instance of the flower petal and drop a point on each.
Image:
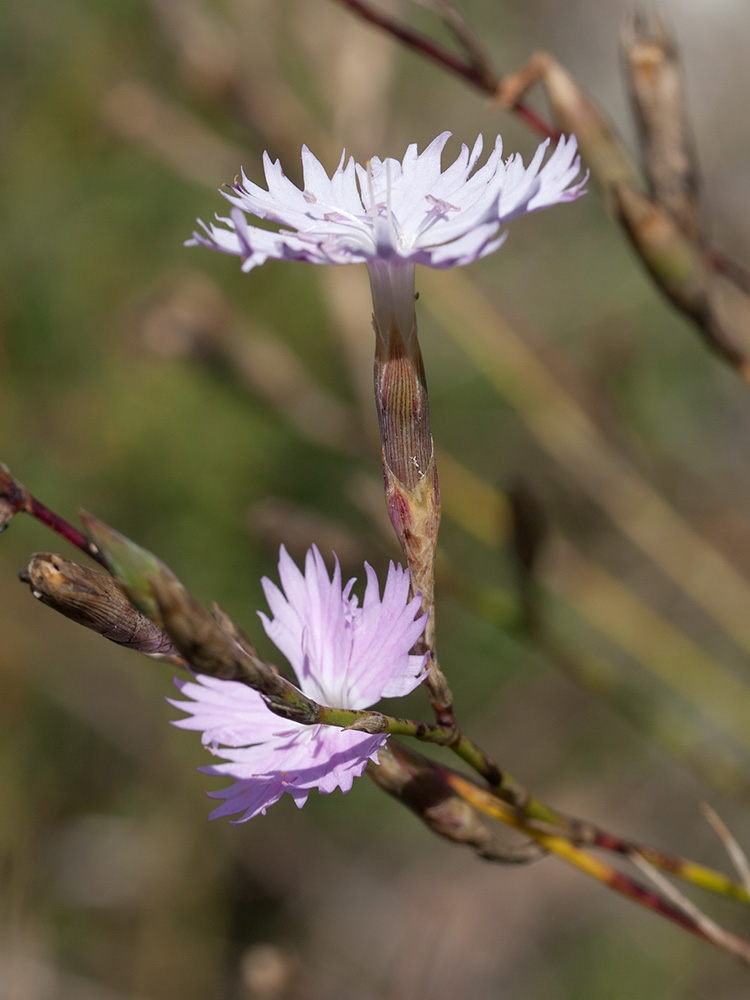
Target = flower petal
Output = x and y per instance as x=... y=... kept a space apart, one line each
x=345 y=656
x=409 y=210
x=285 y=758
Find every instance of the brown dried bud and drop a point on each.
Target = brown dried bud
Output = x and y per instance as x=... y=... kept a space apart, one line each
x=217 y=648
x=8 y=511
x=94 y=600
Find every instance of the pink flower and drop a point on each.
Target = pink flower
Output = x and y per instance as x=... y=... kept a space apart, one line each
x=345 y=656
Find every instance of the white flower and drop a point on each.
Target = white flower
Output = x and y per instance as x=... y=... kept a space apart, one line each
x=392 y=211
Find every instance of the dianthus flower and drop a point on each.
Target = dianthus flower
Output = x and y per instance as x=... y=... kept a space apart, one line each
x=392 y=214
x=406 y=210
x=345 y=655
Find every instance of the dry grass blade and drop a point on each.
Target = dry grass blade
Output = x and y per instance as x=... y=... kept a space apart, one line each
x=657 y=93
x=733 y=849
x=708 y=928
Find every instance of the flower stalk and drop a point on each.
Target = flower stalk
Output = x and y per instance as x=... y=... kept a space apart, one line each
x=410 y=478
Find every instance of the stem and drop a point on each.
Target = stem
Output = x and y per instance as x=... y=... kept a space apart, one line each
x=410 y=478
x=18 y=499
x=595 y=868
x=526 y=808
x=481 y=78
x=476 y=72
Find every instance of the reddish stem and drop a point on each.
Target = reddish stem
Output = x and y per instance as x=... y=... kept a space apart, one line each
x=653 y=901
x=534 y=120
x=18 y=499
x=477 y=75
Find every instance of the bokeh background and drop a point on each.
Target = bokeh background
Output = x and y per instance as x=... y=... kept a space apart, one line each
x=210 y=415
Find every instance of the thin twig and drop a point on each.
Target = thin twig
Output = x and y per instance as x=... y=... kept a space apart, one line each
x=16 y=498
x=464 y=34
x=672 y=908
x=704 y=927
x=419 y=42
x=733 y=849
x=479 y=75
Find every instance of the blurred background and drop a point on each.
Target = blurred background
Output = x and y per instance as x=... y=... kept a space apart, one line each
x=210 y=415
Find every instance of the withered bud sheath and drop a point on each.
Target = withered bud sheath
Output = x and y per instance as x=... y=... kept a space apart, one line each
x=575 y=111
x=413 y=780
x=657 y=94
x=218 y=649
x=679 y=267
x=94 y=600
x=412 y=490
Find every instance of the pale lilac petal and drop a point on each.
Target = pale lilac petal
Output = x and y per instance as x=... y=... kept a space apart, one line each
x=386 y=629
x=394 y=211
x=322 y=757
x=312 y=625
x=345 y=656
x=225 y=712
x=479 y=243
x=252 y=798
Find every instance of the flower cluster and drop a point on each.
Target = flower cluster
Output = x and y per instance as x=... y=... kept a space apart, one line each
x=390 y=215
x=344 y=654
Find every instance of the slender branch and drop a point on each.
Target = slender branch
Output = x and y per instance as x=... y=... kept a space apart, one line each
x=582 y=832
x=15 y=499
x=691 y=920
x=481 y=78
x=464 y=34
x=476 y=71
x=216 y=646
x=706 y=927
x=733 y=849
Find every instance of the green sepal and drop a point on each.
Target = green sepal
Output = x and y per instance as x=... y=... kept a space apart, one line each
x=134 y=567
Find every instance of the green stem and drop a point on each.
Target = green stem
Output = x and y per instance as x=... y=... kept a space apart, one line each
x=501 y=784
